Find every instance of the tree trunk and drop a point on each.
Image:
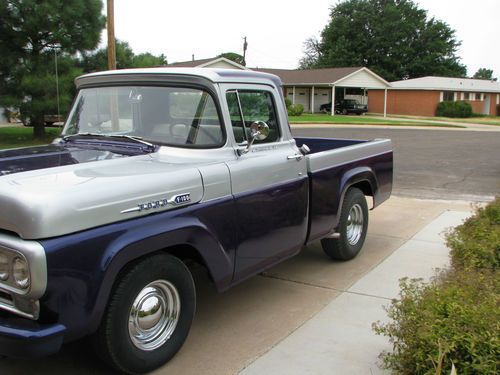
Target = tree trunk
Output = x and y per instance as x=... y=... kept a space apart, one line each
x=38 y=127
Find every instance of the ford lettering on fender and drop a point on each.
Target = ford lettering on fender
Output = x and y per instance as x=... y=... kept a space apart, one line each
x=157 y=168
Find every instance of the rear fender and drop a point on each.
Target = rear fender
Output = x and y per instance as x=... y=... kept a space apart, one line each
x=357 y=176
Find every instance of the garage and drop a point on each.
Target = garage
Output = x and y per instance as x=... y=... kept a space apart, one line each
x=315 y=87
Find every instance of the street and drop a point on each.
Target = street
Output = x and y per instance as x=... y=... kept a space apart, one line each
x=431 y=163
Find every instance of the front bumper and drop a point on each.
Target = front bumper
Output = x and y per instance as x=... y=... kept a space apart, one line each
x=24 y=338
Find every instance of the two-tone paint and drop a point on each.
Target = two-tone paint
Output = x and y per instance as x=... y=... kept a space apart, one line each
x=245 y=213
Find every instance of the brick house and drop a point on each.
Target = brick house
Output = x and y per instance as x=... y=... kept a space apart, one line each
x=420 y=96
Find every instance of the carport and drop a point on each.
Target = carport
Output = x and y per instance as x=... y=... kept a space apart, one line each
x=314 y=87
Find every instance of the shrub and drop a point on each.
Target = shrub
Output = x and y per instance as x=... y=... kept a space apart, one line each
x=453 y=320
x=295 y=110
x=454 y=109
x=476 y=243
x=288 y=103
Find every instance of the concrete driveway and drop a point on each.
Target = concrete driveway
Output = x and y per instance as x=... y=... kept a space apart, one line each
x=231 y=331
x=310 y=314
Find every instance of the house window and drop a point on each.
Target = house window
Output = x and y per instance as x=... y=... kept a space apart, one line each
x=470 y=96
x=448 y=96
x=478 y=96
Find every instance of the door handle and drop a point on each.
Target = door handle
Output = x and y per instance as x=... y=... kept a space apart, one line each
x=297 y=157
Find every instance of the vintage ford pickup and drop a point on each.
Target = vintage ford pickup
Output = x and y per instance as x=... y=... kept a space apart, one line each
x=157 y=168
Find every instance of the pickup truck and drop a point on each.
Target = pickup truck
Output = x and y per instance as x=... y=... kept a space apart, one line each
x=156 y=169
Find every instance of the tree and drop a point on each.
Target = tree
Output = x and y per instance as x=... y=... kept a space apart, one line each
x=233 y=56
x=311 y=53
x=393 y=38
x=31 y=32
x=125 y=58
x=146 y=60
x=484 y=73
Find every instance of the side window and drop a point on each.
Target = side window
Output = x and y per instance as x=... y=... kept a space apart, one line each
x=247 y=106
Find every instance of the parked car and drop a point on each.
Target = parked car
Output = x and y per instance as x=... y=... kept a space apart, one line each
x=345 y=106
x=155 y=169
x=51 y=120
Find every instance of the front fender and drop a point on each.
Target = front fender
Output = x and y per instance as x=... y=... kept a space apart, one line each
x=83 y=267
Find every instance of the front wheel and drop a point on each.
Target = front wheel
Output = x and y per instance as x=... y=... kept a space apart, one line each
x=352 y=227
x=148 y=317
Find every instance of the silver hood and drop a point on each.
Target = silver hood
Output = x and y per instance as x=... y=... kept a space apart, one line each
x=56 y=201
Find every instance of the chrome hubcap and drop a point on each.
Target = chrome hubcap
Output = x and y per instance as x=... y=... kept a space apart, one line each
x=354 y=224
x=154 y=315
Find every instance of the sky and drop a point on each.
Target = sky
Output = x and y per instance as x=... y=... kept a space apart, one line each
x=276 y=29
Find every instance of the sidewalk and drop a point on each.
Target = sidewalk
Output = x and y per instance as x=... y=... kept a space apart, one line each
x=339 y=339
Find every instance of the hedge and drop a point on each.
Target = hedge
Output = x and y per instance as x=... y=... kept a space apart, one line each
x=454 y=320
x=454 y=109
x=295 y=110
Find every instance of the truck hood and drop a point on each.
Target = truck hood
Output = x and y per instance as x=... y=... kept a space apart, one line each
x=51 y=191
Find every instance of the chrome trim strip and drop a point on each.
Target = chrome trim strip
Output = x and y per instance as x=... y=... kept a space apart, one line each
x=14 y=310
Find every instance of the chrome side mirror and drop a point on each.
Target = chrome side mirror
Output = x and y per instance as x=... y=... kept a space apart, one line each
x=259 y=131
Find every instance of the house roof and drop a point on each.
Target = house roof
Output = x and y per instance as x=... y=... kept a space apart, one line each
x=325 y=76
x=190 y=63
x=447 y=84
x=205 y=63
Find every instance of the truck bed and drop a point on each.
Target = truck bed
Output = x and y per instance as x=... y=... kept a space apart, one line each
x=333 y=166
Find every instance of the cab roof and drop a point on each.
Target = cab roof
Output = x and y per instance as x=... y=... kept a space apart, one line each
x=213 y=75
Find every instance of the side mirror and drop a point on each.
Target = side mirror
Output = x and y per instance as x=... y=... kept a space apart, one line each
x=259 y=131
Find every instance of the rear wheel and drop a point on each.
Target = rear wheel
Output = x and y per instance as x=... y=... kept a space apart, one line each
x=344 y=111
x=352 y=227
x=148 y=317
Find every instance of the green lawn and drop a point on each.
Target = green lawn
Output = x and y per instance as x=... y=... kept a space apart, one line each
x=12 y=137
x=485 y=120
x=353 y=119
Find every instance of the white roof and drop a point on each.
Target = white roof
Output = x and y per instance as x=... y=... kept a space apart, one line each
x=448 y=84
x=212 y=74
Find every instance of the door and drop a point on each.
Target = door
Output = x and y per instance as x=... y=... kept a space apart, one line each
x=269 y=183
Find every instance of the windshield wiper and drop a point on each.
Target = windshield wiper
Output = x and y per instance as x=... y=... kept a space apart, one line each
x=131 y=137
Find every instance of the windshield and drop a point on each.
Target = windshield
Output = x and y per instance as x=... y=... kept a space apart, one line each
x=166 y=115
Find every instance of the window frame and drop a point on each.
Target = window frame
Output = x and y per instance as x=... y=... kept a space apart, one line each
x=172 y=85
x=241 y=89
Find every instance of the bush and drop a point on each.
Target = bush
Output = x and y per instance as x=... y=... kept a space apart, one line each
x=454 y=109
x=453 y=320
x=288 y=103
x=476 y=243
x=295 y=110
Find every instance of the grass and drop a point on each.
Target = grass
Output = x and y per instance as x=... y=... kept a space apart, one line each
x=13 y=137
x=476 y=119
x=361 y=120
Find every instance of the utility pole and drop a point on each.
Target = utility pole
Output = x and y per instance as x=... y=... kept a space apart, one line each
x=57 y=86
x=245 y=45
x=111 y=36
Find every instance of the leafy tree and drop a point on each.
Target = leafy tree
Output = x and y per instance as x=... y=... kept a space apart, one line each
x=30 y=32
x=484 y=73
x=394 y=38
x=146 y=60
x=125 y=58
x=236 y=57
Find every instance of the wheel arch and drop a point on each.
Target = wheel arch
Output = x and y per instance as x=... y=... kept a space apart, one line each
x=193 y=243
x=362 y=178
